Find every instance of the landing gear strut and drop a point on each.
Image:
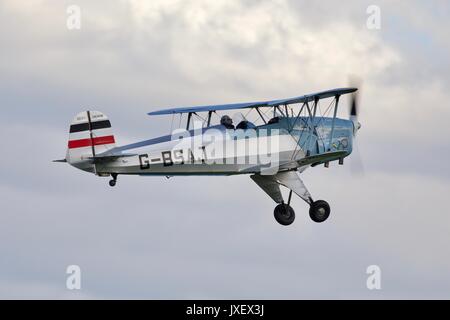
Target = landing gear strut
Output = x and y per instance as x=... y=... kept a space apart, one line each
x=319 y=210
x=112 y=182
x=284 y=214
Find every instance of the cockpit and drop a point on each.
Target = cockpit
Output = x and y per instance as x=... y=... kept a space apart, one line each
x=239 y=119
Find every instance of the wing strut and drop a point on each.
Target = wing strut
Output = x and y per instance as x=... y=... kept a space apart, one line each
x=332 y=123
x=260 y=114
x=209 y=118
x=188 y=120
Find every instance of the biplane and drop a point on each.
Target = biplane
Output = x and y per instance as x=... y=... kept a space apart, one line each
x=286 y=137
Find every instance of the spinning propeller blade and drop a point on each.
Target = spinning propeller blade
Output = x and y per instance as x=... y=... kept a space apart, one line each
x=356 y=164
x=354 y=112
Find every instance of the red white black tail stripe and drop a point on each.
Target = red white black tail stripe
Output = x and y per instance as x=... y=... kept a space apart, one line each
x=90 y=134
x=95 y=141
x=79 y=127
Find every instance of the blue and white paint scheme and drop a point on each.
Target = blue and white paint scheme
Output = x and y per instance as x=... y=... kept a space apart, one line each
x=296 y=136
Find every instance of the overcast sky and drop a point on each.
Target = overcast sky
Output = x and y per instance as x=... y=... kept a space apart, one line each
x=215 y=237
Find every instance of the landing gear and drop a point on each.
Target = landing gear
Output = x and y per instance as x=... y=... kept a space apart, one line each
x=113 y=182
x=319 y=211
x=284 y=214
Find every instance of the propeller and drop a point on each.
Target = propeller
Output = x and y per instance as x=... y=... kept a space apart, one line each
x=356 y=162
x=354 y=113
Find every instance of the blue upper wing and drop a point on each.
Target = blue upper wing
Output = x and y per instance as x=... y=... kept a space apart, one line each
x=246 y=105
x=209 y=108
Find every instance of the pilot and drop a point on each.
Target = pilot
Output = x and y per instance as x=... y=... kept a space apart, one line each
x=227 y=122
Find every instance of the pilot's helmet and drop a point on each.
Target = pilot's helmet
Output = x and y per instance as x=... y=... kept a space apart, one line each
x=226 y=121
x=241 y=122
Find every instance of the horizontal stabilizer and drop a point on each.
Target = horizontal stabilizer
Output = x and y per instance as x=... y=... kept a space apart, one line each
x=61 y=160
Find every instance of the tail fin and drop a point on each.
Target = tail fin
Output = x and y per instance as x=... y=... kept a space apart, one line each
x=90 y=134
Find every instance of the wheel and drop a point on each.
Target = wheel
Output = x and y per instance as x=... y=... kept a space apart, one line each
x=284 y=214
x=112 y=183
x=319 y=211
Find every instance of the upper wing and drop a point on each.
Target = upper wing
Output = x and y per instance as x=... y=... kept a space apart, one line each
x=246 y=105
x=209 y=108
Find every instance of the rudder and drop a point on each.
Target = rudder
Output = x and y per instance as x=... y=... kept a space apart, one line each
x=90 y=134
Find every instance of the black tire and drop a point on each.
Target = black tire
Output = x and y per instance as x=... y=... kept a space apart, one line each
x=284 y=214
x=319 y=211
x=112 y=183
